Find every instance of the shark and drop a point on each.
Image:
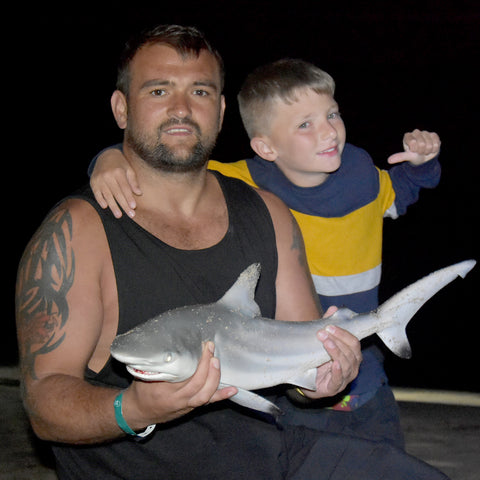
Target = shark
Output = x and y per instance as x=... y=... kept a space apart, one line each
x=257 y=352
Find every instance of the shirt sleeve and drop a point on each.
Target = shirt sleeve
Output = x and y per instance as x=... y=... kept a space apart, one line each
x=408 y=180
x=93 y=162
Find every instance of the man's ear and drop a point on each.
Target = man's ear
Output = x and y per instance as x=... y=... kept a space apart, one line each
x=222 y=111
x=263 y=148
x=119 y=108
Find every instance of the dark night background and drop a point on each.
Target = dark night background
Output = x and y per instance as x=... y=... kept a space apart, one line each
x=397 y=65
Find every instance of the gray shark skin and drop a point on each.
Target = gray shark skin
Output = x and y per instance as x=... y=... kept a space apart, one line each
x=257 y=352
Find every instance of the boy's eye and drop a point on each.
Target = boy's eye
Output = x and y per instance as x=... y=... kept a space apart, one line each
x=333 y=115
x=304 y=125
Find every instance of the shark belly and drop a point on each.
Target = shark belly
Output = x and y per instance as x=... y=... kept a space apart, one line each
x=265 y=352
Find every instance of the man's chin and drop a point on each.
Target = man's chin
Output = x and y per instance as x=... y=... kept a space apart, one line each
x=181 y=167
x=181 y=157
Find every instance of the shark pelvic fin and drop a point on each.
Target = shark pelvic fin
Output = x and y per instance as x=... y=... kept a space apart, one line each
x=241 y=295
x=306 y=379
x=256 y=402
x=399 y=309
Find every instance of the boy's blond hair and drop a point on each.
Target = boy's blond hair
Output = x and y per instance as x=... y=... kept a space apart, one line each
x=280 y=80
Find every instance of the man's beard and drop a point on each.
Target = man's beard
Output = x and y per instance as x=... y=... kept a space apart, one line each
x=161 y=157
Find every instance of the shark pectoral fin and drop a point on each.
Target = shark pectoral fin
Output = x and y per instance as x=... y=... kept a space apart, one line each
x=395 y=338
x=256 y=402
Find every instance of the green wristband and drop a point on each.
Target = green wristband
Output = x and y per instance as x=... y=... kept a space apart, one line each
x=117 y=405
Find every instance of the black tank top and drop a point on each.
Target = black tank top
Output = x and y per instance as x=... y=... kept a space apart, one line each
x=153 y=277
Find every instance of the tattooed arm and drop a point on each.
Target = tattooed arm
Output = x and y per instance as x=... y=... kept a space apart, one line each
x=62 y=318
x=67 y=316
x=298 y=301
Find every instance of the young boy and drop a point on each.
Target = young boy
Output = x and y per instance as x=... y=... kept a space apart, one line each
x=339 y=199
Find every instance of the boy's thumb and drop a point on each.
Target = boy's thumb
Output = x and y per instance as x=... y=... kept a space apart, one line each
x=401 y=157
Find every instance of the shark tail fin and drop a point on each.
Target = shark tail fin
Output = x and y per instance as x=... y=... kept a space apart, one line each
x=395 y=338
x=400 y=308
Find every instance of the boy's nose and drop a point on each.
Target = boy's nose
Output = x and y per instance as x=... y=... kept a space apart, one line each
x=328 y=131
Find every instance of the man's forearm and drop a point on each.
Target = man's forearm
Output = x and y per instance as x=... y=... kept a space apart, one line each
x=66 y=409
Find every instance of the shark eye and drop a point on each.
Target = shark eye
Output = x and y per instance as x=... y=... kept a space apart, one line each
x=168 y=357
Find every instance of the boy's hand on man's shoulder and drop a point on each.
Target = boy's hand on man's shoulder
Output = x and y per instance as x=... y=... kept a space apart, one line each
x=420 y=147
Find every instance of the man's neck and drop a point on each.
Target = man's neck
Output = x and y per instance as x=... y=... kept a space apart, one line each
x=185 y=210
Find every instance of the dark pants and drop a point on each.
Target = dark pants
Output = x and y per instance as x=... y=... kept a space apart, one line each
x=337 y=457
x=231 y=443
x=377 y=420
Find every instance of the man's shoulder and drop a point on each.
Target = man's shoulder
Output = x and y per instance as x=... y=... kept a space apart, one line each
x=79 y=204
x=74 y=215
x=70 y=234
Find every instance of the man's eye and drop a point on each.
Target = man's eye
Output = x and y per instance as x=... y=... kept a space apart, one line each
x=158 y=92
x=200 y=93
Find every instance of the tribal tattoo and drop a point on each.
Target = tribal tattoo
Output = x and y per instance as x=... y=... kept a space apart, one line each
x=45 y=276
x=297 y=243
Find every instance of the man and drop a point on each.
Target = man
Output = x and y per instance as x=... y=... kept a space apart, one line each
x=86 y=277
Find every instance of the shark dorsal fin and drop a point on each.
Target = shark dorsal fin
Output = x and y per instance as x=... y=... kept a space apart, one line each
x=241 y=295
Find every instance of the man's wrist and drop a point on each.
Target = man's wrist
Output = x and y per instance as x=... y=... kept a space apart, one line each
x=122 y=423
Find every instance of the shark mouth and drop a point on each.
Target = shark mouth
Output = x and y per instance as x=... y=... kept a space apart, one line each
x=149 y=375
x=137 y=371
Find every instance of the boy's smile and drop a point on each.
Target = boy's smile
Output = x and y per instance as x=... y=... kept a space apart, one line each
x=306 y=138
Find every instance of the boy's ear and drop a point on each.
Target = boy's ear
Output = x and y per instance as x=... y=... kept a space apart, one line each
x=119 y=108
x=263 y=148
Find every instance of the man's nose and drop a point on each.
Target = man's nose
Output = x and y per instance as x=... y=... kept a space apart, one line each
x=179 y=106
